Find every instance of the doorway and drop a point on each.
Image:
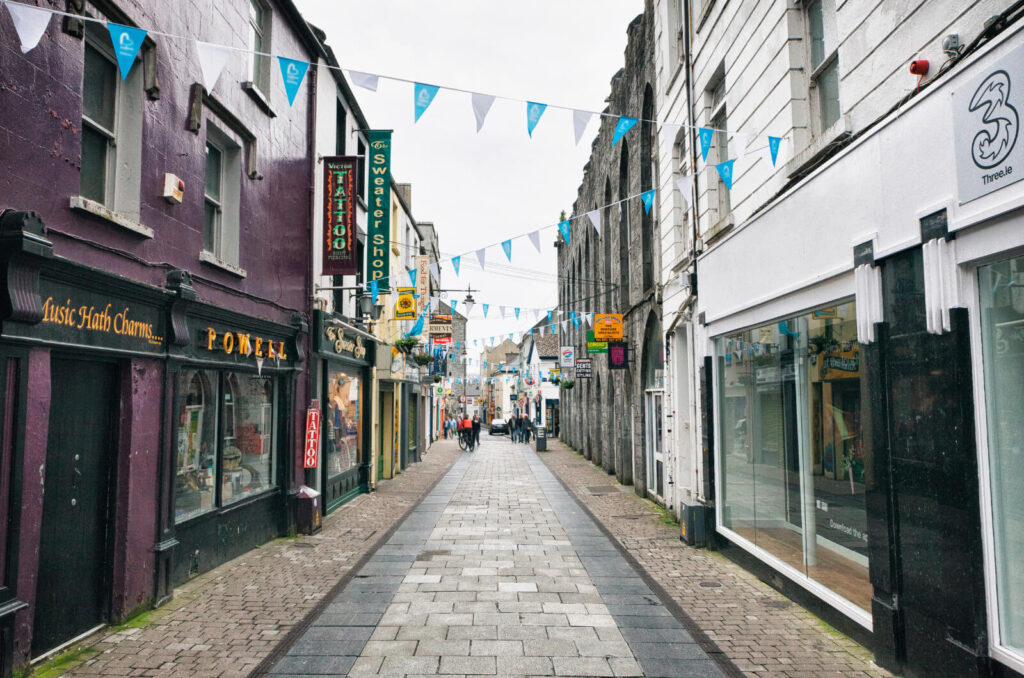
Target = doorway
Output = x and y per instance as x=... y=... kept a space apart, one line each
x=73 y=586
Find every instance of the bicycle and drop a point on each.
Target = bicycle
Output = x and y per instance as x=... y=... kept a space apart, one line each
x=466 y=440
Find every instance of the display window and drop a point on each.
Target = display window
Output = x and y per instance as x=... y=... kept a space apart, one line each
x=793 y=459
x=343 y=421
x=238 y=410
x=1001 y=292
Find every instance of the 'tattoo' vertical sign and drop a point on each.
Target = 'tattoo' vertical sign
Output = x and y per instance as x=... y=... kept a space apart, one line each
x=309 y=458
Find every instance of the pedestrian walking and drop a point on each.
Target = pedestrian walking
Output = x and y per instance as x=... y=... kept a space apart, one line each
x=512 y=428
x=524 y=427
x=476 y=429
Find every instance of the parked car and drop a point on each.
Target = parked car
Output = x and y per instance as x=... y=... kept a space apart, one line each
x=499 y=427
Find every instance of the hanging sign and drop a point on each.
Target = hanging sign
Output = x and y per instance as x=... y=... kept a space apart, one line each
x=986 y=126
x=405 y=308
x=378 y=256
x=440 y=329
x=608 y=326
x=422 y=282
x=310 y=457
x=340 y=215
x=617 y=355
x=594 y=346
x=584 y=368
x=568 y=356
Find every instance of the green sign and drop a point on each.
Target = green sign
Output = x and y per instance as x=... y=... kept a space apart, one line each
x=378 y=255
x=595 y=346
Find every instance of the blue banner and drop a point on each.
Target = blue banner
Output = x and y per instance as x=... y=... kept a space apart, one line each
x=773 y=147
x=486 y=306
x=705 y=142
x=648 y=198
x=533 y=113
x=507 y=246
x=412 y=277
x=625 y=124
x=563 y=226
x=293 y=72
x=127 y=41
x=454 y=302
x=517 y=312
x=725 y=171
x=418 y=327
x=423 y=95
x=374 y=291
x=455 y=264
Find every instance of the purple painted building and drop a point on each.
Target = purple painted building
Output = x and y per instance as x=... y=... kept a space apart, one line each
x=152 y=347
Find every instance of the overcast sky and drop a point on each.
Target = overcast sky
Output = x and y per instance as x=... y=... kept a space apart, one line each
x=480 y=189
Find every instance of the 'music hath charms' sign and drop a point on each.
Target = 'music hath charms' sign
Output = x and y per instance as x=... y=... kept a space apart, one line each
x=340 y=215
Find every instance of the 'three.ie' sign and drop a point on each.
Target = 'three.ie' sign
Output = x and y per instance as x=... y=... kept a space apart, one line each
x=986 y=123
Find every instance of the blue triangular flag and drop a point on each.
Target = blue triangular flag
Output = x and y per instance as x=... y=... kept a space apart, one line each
x=725 y=171
x=517 y=312
x=455 y=264
x=648 y=198
x=422 y=96
x=705 y=142
x=625 y=124
x=486 y=306
x=374 y=291
x=416 y=328
x=293 y=72
x=412 y=276
x=563 y=226
x=549 y=316
x=510 y=336
x=507 y=246
x=127 y=41
x=773 y=147
x=533 y=113
x=454 y=302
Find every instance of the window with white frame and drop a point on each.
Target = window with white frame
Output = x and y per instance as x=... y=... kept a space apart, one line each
x=259 y=45
x=719 y=151
x=111 y=128
x=221 y=195
x=823 y=40
x=681 y=214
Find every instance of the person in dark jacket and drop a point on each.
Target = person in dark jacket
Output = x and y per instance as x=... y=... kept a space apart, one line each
x=513 y=428
x=524 y=428
x=476 y=429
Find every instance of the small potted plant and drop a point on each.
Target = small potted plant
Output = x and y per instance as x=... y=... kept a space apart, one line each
x=567 y=384
x=406 y=344
x=437 y=378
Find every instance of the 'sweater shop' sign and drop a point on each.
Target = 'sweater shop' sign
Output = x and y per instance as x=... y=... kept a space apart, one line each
x=378 y=253
x=340 y=215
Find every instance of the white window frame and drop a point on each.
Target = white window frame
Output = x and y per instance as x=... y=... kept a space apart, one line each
x=259 y=65
x=226 y=241
x=831 y=58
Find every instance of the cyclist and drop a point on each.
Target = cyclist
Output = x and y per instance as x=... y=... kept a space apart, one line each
x=466 y=430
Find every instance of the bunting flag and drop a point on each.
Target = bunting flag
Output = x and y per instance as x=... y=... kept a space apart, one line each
x=435 y=271
x=533 y=112
x=412 y=277
x=127 y=41
x=536 y=314
x=580 y=120
x=481 y=254
x=374 y=291
x=453 y=303
x=705 y=142
x=595 y=219
x=481 y=106
x=516 y=309
x=469 y=307
x=423 y=95
x=417 y=328
x=773 y=148
x=211 y=62
x=685 y=186
x=542 y=328
x=648 y=198
x=293 y=72
x=455 y=264
x=564 y=328
x=725 y=171
x=485 y=307
x=587 y=317
x=29 y=22
x=563 y=226
x=535 y=239
x=549 y=317
x=624 y=125
x=507 y=246
x=502 y=309
x=365 y=80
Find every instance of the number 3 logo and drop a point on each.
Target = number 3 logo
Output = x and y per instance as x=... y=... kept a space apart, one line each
x=994 y=142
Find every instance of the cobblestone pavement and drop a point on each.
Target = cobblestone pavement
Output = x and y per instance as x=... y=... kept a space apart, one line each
x=225 y=622
x=497 y=572
x=758 y=629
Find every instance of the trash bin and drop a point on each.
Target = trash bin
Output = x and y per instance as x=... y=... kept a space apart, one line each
x=307 y=511
x=542 y=439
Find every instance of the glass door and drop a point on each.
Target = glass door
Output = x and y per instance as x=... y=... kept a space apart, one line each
x=653 y=442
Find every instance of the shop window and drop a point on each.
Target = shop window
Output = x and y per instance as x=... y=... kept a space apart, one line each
x=793 y=458
x=1001 y=286
x=244 y=407
x=343 y=422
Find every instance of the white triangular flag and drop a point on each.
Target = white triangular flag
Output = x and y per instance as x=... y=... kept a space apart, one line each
x=259 y=367
x=502 y=309
x=595 y=219
x=685 y=186
x=435 y=271
x=364 y=80
x=480 y=254
x=542 y=328
x=536 y=314
x=535 y=239
x=211 y=61
x=580 y=119
x=469 y=307
x=564 y=322
x=30 y=23
x=587 y=317
x=481 y=105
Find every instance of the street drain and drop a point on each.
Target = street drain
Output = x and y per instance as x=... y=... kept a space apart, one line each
x=711 y=584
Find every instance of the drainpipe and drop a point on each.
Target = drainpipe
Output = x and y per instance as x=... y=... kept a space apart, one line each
x=311 y=154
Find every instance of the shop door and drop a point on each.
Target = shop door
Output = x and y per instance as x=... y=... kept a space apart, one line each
x=653 y=442
x=72 y=591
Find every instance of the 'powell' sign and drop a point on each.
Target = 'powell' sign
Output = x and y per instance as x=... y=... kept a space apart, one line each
x=986 y=120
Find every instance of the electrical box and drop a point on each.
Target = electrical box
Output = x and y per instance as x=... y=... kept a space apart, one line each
x=174 y=189
x=692 y=526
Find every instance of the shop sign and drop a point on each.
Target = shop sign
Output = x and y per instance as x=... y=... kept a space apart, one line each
x=405 y=308
x=841 y=365
x=608 y=326
x=83 y=317
x=343 y=344
x=378 y=256
x=422 y=282
x=440 y=329
x=243 y=344
x=584 y=368
x=594 y=346
x=567 y=356
x=340 y=215
x=310 y=457
x=986 y=126
x=618 y=357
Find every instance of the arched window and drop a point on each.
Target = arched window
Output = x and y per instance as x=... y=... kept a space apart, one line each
x=606 y=236
x=624 y=228
x=646 y=184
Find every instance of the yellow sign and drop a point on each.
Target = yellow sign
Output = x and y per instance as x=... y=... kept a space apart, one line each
x=405 y=309
x=607 y=327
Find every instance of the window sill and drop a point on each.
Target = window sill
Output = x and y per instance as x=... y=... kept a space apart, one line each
x=723 y=226
x=110 y=216
x=839 y=129
x=213 y=260
x=259 y=97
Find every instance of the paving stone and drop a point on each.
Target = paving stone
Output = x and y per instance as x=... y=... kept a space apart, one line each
x=582 y=666
x=469 y=665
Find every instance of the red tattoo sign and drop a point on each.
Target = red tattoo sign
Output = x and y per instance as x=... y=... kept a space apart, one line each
x=309 y=458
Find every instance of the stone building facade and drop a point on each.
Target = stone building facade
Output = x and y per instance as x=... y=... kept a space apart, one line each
x=616 y=271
